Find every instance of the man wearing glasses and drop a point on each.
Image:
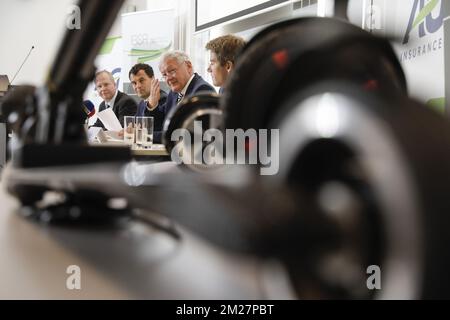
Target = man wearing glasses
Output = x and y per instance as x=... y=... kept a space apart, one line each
x=176 y=69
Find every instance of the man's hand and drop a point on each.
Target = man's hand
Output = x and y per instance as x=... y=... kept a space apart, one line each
x=153 y=99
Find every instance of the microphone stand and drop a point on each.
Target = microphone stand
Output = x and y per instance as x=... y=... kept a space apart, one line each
x=20 y=68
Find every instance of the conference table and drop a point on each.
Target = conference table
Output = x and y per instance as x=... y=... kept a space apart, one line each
x=157 y=151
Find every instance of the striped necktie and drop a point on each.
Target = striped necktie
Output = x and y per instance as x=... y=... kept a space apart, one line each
x=179 y=97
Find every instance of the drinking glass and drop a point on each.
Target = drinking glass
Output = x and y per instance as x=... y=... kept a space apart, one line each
x=128 y=130
x=144 y=132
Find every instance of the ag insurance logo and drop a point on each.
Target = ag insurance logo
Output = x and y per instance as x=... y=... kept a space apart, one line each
x=426 y=18
x=422 y=20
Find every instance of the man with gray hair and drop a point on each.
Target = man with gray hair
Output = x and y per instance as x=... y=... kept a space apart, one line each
x=122 y=104
x=176 y=69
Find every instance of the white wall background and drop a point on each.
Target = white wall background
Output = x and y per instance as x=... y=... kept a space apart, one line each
x=24 y=23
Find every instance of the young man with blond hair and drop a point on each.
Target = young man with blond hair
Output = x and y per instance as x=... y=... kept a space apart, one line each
x=223 y=53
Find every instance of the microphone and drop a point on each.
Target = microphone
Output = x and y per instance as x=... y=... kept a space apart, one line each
x=20 y=68
x=88 y=108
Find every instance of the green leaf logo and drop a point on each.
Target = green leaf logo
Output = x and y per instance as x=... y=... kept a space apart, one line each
x=108 y=45
x=148 y=55
x=424 y=12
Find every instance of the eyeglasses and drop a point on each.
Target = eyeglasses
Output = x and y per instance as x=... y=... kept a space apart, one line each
x=170 y=73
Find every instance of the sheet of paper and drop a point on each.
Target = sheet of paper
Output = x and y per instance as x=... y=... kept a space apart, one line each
x=96 y=134
x=114 y=136
x=92 y=133
x=109 y=120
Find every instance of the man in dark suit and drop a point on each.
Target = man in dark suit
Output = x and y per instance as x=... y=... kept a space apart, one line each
x=141 y=76
x=176 y=69
x=122 y=104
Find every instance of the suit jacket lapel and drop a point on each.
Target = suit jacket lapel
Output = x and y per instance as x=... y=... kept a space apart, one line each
x=116 y=102
x=191 y=86
x=102 y=106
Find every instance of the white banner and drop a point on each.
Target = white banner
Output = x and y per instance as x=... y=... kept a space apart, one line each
x=419 y=26
x=110 y=59
x=146 y=36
